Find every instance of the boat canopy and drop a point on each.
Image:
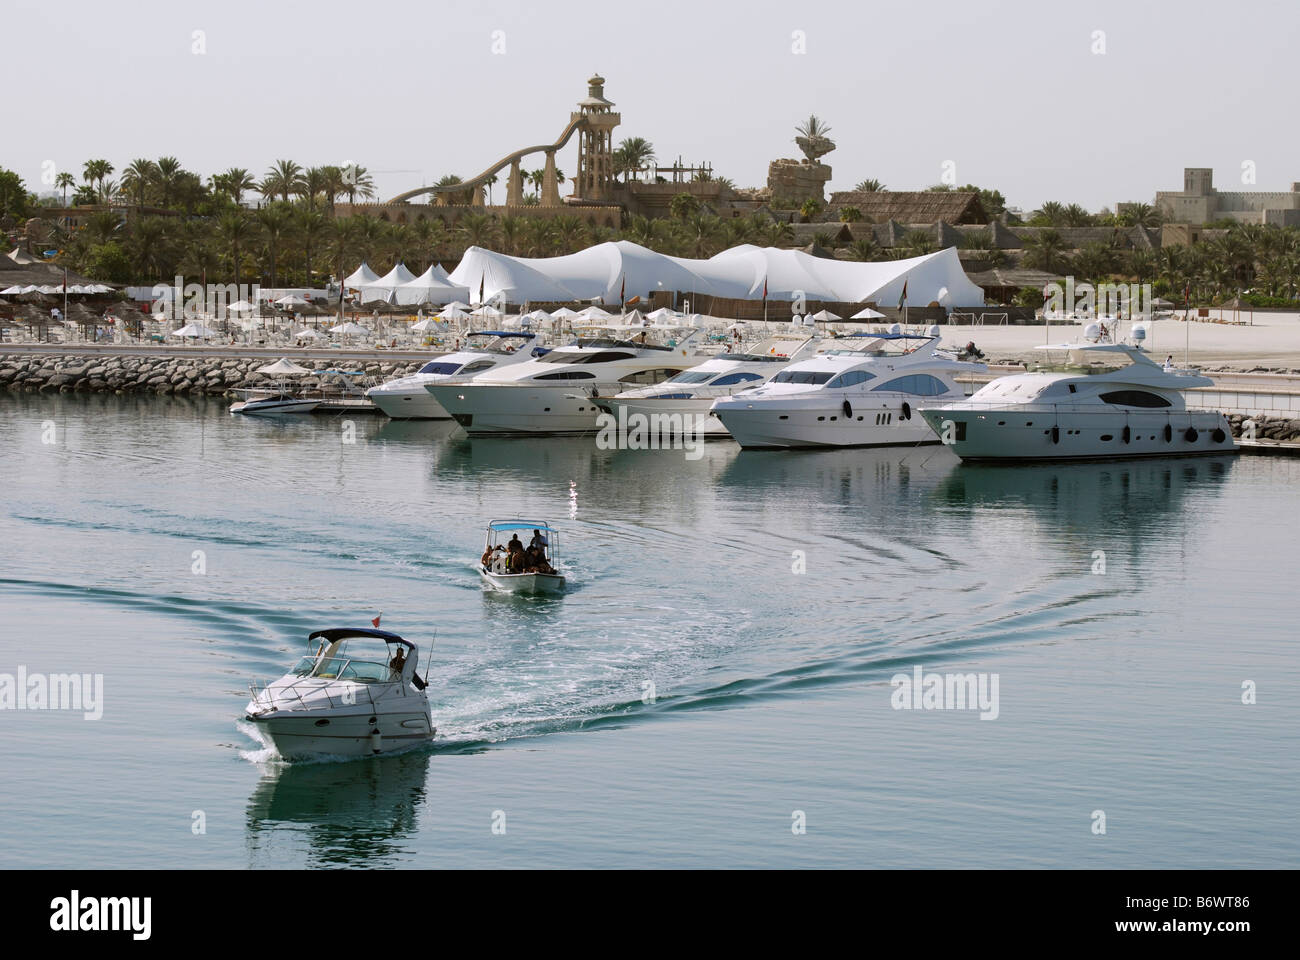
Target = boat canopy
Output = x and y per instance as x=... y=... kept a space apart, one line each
x=520 y=525
x=343 y=633
x=501 y=333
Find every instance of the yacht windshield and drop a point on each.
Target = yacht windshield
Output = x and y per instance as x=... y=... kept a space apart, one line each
x=692 y=376
x=814 y=377
x=438 y=366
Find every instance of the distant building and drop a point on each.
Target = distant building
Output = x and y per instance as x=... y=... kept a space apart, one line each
x=918 y=206
x=1198 y=202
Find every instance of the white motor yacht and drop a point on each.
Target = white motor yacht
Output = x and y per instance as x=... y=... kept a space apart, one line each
x=406 y=399
x=860 y=390
x=686 y=400
x=1084 y=409
x=273 y=405
x=555 y=393
x=358 y=694
x=516 y=571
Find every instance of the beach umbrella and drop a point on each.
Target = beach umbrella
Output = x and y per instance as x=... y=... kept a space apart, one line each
x=663 y=313
x=11 y=291
x=488 y=311
x=307 y=333
x=563 y=313
x=194 y=331
x=423 y=326
x=293 y=300
x=350 y=329
x=283 y=368
x=825 y=316
x=868 y=314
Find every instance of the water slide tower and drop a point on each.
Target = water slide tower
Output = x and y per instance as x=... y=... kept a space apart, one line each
x=595 y=175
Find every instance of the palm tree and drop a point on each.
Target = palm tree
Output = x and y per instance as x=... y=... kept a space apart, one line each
x=869 y=186
x=235 y=182
x=490 y=182
x=285 y=178
x=313 y=184
x=512 y=229
x=333 y=184
x=97 y=171
x=631 y=155
x=168 y=172
x=1050 y=214
x=146 y=243
x=915 y=243
x=341 y=242
x=235 y=231
x=571 y=233
x=850 y=215
x=310 y=227
x=137 y=178
x=65 y=180
x=683 y=205
x=477 y=229
x=1046 y=251
x=866 y=249
x=357 y=181
x=276 y=221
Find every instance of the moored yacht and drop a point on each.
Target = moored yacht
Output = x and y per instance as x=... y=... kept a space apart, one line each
x=1084 y=409
x=685 y=401
x=356 y=694
x=556 y=393
x=406 y=399
x=859 y=390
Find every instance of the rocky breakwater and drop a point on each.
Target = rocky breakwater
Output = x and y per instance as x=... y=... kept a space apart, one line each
x=191 y=376
x=1266 y=428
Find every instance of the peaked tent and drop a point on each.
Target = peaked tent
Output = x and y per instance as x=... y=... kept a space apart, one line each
x=428 y=287
x=360 y=277
x=385 y=288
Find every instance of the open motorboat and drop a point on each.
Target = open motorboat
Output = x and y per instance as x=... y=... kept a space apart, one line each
x=513 y=568
x=406 y=399
x=859 y=390
x=554 y=394
x=1084 y=409
x=357 y=694
x=274 y=404
x=684 y=402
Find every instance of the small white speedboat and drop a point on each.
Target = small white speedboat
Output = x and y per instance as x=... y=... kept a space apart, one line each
x=525 y=569
x=274 y=405
x=357 y=695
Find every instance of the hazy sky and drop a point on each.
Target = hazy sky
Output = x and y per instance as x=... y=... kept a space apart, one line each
x=1012 y=93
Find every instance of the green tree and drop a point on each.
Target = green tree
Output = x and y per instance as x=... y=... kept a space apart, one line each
x=850 y=215
x=869 y=186
x=683 y=206
x=1046 y=250
x=137 y=178
x=632 y=154
x=14 y=198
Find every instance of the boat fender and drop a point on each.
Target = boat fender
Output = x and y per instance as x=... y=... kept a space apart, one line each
x=1191 y=435
x=594 y=393
x=1128 y=434
x=1218 y=436
x=848 y=410
x=906 y=411
x=1169 y=433
x=376 y=740
x=1056 y=434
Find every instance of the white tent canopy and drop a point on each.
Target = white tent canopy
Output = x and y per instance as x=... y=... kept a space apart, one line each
x=430 y=287
x=362 y=276
x=283 y=368
x=385 y=288
x=615 y=272
x=195 y=331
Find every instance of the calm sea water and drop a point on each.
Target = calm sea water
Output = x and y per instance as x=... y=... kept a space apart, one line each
x=1118 y=691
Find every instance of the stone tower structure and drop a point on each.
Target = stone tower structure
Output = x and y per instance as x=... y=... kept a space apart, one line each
x=595 y=175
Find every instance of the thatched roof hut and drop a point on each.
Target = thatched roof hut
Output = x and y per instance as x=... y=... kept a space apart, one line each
x=912 y=206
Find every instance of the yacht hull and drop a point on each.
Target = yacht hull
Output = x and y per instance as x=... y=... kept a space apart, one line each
x=505 y=410
x=675 y=416
x=259 y=408
x=300 y=734
x=524 y=582
x=408 y=403
x=1011 y=434
x=791 y=428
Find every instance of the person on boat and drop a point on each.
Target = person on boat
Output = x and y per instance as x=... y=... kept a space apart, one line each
x=538 y=541
x=398 y=662
x=499 y=559
x=486 y=559
x=515 y=543
x=1169 y=363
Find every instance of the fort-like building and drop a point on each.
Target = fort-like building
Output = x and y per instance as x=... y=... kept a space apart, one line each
x=1199 y=202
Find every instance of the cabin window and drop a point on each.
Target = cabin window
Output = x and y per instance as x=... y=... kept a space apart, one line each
x=1135 y=398
x=438 y=366
x=850 y=378
x=658 y=375
x=566 y=375
x=917 y=384
x=811 y=377
x=478 y=365
x=733 y=378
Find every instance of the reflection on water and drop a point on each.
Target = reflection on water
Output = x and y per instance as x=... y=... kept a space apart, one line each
x=353 y=813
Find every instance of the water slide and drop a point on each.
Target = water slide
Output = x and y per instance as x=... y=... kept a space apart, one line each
x=481 y=179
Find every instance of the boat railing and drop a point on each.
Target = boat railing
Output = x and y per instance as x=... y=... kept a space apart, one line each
x=1015 y=408
x=290 y=697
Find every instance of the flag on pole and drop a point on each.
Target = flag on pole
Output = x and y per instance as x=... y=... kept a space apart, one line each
x=1187 y=294
x=622 y=291
x=902 y=301
x=481 y=281
x=376 y=621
